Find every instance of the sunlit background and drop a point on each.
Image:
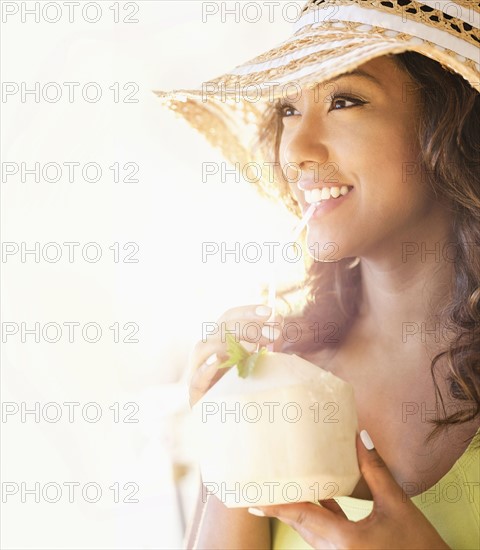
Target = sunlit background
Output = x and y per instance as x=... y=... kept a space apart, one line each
x=140 y=451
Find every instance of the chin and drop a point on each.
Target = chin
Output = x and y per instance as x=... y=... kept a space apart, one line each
x=325 y=250
x=328 y=253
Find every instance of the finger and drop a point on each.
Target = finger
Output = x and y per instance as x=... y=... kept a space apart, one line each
x=203 y=372
x=332 y=505
x=200 y=362
x=201 y=379
x=204 y=349
x=206 y=371
x=251 y=329
x=198 y=391
x=254 y=311
x=386 y=492
x=253 y=323
x=310 y=520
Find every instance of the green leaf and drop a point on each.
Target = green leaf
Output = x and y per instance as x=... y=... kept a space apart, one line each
x=235 y=351
x=246 y=367
x=239 y=356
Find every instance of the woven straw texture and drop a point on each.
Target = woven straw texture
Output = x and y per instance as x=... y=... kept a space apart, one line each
x=228 y=109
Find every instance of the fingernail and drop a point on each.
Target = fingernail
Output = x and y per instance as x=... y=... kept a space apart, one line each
x=271 y=333
x=263 y=311
x=275 y=318
x=212 y=359
x=256 y=512
x=367 y=440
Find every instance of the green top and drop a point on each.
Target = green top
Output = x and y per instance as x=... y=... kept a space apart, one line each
x=452 y=506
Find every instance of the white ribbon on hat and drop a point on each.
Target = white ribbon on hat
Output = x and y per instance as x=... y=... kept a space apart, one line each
x=392 y=21
x=370 y=50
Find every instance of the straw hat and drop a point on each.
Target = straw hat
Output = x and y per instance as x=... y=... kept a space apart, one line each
x=329 y=38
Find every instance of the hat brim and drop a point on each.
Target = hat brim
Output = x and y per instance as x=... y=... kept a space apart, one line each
x=227 y=110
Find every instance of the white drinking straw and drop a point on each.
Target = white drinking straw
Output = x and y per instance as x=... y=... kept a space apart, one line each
x=272 y=286
x=303 y=222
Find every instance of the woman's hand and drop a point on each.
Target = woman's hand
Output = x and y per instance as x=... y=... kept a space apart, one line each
x=250 y=326
x=395 y=522
x=214 y=525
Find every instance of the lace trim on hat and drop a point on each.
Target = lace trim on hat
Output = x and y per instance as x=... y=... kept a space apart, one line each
x=409 y=10
x=462 y=8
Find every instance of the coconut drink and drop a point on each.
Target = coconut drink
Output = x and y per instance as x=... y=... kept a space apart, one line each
x=275 y=430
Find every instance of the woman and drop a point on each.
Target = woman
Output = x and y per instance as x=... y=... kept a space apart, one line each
x=398 y=130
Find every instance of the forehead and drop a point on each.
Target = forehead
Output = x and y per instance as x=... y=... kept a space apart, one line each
x=382 y=74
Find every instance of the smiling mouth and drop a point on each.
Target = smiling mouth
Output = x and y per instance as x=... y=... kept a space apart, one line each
x=326 y=193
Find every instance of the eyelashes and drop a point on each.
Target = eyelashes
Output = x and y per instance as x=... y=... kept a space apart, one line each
x=345 y=97
x=282 y=106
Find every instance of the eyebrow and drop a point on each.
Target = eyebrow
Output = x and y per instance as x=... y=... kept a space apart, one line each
x=358 y=73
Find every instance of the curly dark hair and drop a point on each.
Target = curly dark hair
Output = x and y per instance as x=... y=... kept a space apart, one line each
x=449 y=137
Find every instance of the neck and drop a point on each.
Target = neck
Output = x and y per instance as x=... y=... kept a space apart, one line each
x=402 y=294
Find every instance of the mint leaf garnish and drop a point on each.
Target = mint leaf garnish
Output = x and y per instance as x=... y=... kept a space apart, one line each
x=247 y=366
x=239 y=356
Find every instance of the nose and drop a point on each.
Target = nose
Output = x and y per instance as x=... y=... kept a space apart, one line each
x=305 y=150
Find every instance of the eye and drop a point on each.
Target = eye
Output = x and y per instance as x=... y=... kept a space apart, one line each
x=338 y=100
x=285 y=110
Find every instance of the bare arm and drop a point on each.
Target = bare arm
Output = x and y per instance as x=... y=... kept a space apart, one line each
x=214 y=526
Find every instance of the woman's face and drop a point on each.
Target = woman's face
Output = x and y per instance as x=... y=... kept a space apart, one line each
x=359 y=131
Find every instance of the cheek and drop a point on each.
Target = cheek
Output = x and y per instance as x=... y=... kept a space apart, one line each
x=389 y=163
x=290 y=174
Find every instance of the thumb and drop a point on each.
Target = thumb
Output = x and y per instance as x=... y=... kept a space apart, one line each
x=386 y=492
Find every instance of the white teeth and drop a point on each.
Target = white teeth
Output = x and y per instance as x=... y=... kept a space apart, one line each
x=325 y=193
x=335 y=192
x=316 y=195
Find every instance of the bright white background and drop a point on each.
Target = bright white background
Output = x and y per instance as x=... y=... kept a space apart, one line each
x=168 y=293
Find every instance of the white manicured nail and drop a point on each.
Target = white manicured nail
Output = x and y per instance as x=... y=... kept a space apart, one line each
x=256 y=512
x=367 y=440
x=212 y=359
x=271 y=333
x=263 y=311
